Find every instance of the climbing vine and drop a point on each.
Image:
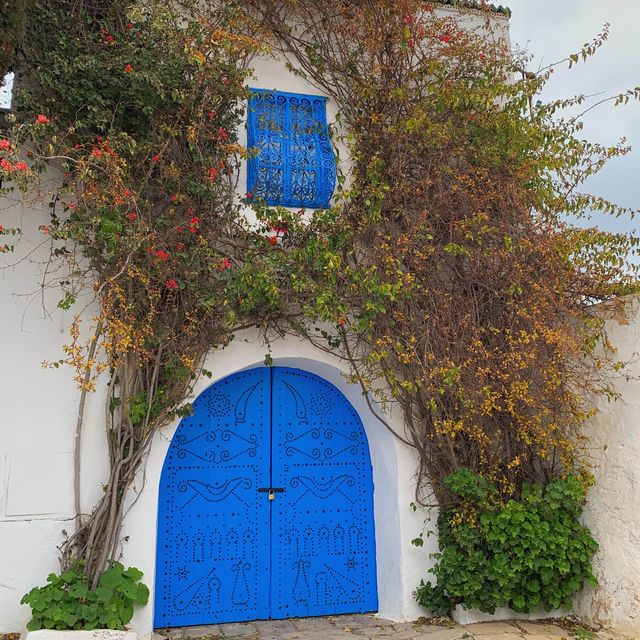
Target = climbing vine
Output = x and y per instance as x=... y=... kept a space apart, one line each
x=140 y=111
x=451 y=267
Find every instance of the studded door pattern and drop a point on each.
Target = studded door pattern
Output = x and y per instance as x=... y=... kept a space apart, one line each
x=323 y=547
x=213 y=526
x=226 y=553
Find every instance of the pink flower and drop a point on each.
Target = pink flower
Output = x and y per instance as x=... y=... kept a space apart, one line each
x=5 y=145
x=162 y=255
x=1 y=229
x=96 y=153
x=6 y=166
x=213 y=172
x=22 y=166
x=179 y=246
x=226 y=263
x=43 y=229
x=222 y=133
x=171 y=284
x=42 y=119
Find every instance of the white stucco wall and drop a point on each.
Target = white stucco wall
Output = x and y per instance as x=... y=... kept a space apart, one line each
x=38 y=411
x=613 y=507
x=37 y=420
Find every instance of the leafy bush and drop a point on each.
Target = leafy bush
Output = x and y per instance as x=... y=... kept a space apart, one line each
x=526 y=554
x=66 y=602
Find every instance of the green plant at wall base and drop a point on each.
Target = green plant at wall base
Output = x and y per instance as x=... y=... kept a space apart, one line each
x=66 y=602
x=527 y=554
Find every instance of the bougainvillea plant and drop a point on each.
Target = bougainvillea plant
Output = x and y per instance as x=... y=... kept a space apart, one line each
x=140 y=111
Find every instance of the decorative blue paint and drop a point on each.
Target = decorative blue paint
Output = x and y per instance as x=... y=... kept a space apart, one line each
x=323 y=538
x=213 y=526
x=294 y=165
x=228 y=553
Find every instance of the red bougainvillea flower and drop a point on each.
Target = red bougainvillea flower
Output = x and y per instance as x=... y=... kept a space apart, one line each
x=342 y=322
x=273 y=239
x=213 y=172
x=195 y=220
x=482 y=56
x=180 y=229
x=5 y=145
x=222 y=133
x=179 y=246
x=248 y=195
x=171 y=284
x=156 y=157
x=71 y=206
x=109 y=39
x=445 y=38
x=96 y=153
x=192 y=229
x=132 y=215
x=128 y=69
x=5 y=165
x=226 y=263
x=411 y=43
x=174 y=198
x=162 y=255
x=129 y=25
x=1 y=229
x=42 y=119
x=212 y=115
x=22 y=166
x=43 y=229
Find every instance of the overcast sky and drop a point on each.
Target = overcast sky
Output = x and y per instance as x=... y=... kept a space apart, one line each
x=552 y=29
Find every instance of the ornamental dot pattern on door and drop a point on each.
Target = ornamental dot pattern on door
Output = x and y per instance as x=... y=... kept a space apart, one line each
x=266 y=505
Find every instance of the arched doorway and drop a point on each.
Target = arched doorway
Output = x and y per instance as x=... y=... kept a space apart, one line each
x=266 y=504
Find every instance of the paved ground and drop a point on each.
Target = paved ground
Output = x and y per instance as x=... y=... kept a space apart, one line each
x=368 y=627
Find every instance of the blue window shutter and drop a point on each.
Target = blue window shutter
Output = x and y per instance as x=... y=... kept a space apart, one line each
x=294 y=164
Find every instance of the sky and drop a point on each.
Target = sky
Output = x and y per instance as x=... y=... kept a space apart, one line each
x=553 y=29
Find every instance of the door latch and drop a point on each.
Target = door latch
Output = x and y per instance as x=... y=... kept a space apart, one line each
x=271 y=491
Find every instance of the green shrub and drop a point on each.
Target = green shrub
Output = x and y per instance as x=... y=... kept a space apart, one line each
x=66 y=602
x=527 y=554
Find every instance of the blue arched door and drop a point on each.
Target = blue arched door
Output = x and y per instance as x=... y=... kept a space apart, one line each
x=266 y=505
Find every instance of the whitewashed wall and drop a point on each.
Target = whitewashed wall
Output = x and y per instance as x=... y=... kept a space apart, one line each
x=613 y=508
x=38 y=411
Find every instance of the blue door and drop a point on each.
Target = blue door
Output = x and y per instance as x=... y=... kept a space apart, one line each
x=266 y=505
